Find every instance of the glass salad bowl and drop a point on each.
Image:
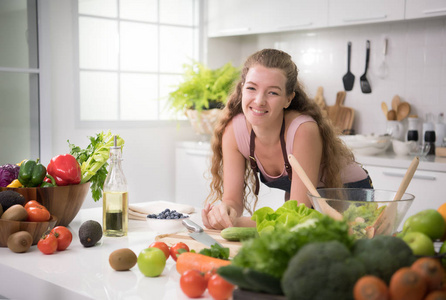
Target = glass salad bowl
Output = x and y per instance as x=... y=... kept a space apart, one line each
x=369 y=212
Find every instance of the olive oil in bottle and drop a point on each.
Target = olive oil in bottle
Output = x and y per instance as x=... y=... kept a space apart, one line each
x=115 y=197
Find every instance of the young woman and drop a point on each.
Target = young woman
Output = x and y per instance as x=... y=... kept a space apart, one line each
x=267 y=117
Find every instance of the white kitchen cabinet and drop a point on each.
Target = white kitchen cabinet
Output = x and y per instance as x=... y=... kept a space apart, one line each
x=191 y=182
x=428 y=187
x=425 y=8
x=352 y=12
x=235 y=17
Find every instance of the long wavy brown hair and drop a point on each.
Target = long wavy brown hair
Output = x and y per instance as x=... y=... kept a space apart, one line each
x=335 y=155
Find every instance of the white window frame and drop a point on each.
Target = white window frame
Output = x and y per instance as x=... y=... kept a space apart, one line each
x=126 y=124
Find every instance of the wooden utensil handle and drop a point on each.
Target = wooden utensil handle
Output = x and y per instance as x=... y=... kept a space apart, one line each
x=407 y=178
x=302 y=175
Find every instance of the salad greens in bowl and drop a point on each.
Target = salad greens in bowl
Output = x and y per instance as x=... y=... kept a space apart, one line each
x=369 y=212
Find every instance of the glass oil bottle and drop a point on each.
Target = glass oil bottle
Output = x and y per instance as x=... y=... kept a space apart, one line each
x=115 y=196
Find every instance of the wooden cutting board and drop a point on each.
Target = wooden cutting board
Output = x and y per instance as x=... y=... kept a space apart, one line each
x=173 y=238
x=341 y=116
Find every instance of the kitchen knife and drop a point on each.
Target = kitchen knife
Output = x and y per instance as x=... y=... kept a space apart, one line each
x=198 y=234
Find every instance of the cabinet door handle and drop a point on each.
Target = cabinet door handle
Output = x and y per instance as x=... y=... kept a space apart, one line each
x=423 y=177
x=198 y=152
x=434 y=11
x=349 y=20
x=297 y=26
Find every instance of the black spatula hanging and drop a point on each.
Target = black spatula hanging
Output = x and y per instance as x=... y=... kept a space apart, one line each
x=365 y=85
x=349 y=78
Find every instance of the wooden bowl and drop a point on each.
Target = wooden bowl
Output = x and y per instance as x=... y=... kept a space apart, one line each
x=36 y=229
x=63 y=202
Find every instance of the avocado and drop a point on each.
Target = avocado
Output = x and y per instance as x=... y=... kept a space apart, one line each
x=9 y=198
x=90 y=233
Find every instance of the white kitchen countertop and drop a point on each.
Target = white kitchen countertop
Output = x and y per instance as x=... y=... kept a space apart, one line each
x=85 y=273
x=391 y=160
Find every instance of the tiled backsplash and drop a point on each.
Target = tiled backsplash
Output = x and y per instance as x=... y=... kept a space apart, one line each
x=415 y=61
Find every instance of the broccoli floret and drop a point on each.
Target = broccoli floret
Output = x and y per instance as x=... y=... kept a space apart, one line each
x=383 y=255
x=323 y=270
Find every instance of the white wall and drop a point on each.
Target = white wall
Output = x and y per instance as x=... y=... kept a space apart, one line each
x=416 y=62
x=149 y=153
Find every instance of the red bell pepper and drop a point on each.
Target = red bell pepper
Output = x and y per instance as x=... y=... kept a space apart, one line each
x=65 y=169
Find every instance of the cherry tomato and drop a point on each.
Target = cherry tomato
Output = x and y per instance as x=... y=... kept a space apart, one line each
x=63 y=236
x=193 y=283
x=219 y=288
x=163 y=246
x=32 y=203
x=175 y=250
x=209 y=274
x=38 y=214
x=47 y=244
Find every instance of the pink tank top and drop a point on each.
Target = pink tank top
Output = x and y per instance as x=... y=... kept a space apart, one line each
x=351 y=173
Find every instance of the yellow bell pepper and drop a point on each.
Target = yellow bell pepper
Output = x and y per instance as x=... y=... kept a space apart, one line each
x=15 y=184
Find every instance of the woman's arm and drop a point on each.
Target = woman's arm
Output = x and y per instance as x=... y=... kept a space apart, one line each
x=228 y=212
x=307 y=148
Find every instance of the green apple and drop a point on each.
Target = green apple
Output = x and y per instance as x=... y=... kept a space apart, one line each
x=420 y=243
x=429 y=221
x=151 y=262
x=443 y=250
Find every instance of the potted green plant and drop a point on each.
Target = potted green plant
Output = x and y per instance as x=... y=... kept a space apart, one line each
x=202 y=93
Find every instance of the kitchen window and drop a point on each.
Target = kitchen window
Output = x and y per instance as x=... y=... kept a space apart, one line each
x=19 y=81
x=130 y=53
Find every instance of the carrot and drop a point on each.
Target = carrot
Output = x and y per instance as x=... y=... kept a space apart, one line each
x=406 y=284
x=432 y=270
x=370 y=287
x=436 y=295
x=195 y=261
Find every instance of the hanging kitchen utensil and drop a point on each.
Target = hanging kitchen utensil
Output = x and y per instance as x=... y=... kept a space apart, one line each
x=383 y=68
x=326 y=208
x=365 y=85
x=349 y=78
x=384 y=108
x=402 y=111
x=384 y=224
x=395 y=102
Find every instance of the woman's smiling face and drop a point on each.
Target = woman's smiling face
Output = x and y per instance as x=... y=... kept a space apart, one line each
x=264 y=95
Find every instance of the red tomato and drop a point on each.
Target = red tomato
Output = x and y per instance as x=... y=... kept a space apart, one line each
x=47 y=244
x=38 y=214
x=176 y=249
x=209 y=274
x=163 y=246
x=193 y=283
x=219 y=288
x=32 y=203
x=63 y=236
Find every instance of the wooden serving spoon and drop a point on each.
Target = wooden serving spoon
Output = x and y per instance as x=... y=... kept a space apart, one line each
x=395 y=102
x=384 y=108
x=391 y=115
x=403 y=111
x=326 y=208
x=384 y=224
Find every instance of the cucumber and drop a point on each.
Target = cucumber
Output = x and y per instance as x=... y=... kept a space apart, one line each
x=236 y=276
x=263 y=282
x=239 y=233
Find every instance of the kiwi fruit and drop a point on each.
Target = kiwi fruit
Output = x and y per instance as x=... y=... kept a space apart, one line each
x=15 y=213
x=20 y=241
x=90 y=233
x=122 y=259
x=9 y=198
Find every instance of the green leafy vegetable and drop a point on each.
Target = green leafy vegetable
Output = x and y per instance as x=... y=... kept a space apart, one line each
x=93 y=160
x=216 y=251
x=271 y=252
x=288 y=215
x=361 y=216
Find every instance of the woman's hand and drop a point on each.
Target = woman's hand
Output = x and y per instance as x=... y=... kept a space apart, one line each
x=218 y=216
